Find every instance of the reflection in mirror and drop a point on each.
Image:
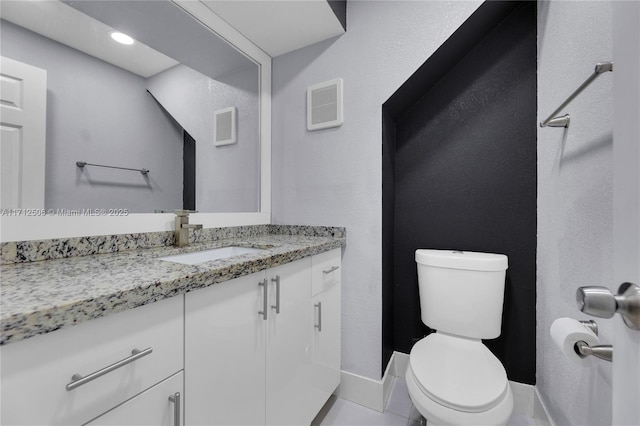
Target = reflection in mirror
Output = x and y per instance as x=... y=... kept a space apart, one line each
x=150 y=108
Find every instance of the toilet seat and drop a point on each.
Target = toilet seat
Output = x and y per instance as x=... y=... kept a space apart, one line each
x=458 y=373
x=438 y=414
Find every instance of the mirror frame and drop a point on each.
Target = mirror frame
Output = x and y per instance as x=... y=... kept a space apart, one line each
x=39 y=227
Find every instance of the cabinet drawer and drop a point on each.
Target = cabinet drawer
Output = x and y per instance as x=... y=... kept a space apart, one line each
x=36 y=371
x=326 y=270
x=151 y=408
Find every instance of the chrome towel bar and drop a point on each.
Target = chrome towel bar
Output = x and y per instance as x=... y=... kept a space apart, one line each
x=563 y=121
x=81 y=164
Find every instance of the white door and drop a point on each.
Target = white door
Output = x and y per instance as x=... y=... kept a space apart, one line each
x=626 y=199
x=23 y=109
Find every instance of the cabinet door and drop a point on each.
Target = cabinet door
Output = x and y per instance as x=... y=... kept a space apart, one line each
x=325 y=358
x=225 y=354
x=152 y=407
x=289 y=345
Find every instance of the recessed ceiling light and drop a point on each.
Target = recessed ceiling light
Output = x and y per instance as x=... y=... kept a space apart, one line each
x=121 y=38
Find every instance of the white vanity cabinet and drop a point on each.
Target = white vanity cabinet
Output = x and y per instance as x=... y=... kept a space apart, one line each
x=251 y=360
x=263 y=349
x=36 y=372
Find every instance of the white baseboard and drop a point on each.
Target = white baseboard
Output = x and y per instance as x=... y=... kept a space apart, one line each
x=540 y=412
x=374 y=393
x=365 y=391
x=400 y=363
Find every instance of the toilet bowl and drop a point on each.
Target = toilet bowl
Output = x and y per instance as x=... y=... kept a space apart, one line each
x=456 y=381
x=452 y=378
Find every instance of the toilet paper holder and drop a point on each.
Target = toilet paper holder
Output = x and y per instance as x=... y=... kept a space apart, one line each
x=583 y=349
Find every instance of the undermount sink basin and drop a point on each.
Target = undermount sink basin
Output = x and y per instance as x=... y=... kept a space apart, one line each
x=209 y=255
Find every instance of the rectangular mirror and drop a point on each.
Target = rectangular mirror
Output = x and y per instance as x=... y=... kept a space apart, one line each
x=150 y=115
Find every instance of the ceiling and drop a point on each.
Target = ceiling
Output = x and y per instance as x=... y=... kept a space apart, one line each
x=275 y=26
x=64 y=24
x=278 y=26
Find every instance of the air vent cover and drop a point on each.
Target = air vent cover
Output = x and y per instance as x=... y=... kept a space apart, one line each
x=225 y=126
x=324 y=105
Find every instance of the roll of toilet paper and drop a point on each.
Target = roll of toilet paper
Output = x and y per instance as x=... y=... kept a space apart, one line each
x=566 y=332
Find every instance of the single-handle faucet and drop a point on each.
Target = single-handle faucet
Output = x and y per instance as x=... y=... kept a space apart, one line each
x=183 y=226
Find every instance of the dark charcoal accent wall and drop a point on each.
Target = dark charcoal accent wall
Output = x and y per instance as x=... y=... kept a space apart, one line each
x=388 y=219
x=482 y=22
x=189 y=172
x=465 y=178
x=339 y=8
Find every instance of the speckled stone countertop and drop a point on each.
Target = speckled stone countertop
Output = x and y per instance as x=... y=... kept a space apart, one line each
x=42 y=296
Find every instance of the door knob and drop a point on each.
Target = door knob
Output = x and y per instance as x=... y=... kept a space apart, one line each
x=600 y=302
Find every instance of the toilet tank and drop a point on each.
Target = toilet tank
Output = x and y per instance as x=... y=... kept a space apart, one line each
x=462 y=293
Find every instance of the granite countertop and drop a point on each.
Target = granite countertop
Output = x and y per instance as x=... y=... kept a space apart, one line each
x=40 y=297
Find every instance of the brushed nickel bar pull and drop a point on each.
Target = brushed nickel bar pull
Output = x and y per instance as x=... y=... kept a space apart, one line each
x=277 y=305
x=77 y=380
x=175 y=398
x=81 y=164
x=553 y=120
x=319 y=325
x=265 y=302
x=328 y=271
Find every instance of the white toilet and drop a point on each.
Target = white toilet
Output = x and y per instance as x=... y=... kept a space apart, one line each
x=453 y=379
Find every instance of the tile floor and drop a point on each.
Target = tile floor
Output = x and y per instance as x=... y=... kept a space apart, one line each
x=398 y=412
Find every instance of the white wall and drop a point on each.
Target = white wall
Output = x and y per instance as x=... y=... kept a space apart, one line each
x=334 y=176
x=574 y=200
x=99 y=113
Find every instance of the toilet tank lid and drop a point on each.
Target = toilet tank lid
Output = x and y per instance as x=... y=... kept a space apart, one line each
x=456 y=259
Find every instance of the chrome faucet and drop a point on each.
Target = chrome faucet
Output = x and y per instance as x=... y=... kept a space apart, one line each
x=183 y=226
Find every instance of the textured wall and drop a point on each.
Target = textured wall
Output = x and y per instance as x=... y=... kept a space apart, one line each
x=465 y=178
x=101 y=114
x=227 y=177
x=574 y=200
x=333 y=177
